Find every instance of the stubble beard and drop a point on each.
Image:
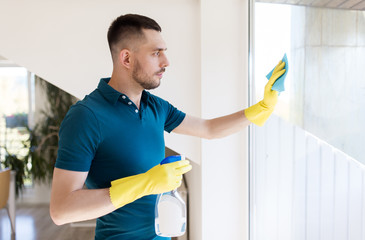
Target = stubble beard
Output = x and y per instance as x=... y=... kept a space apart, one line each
x=142 y=78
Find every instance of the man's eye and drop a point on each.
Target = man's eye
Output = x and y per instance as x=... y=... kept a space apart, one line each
x=157 y=53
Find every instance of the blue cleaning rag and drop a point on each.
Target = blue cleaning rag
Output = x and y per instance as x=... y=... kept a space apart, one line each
x=279 y=83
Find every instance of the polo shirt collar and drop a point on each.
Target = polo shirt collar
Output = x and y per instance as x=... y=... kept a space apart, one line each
x=107 y=91
x=113 y=95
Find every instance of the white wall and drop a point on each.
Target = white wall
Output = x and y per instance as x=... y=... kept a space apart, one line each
x=65 y=43
x=224 y=79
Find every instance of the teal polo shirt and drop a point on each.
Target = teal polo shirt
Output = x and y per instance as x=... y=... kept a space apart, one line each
x=106 y=135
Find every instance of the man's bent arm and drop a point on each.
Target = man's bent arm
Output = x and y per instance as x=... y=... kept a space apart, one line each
x=71 y=203
x=213 y=128
x=224 y=126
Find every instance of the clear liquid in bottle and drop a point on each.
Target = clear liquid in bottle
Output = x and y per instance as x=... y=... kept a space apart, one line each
x=170 y=211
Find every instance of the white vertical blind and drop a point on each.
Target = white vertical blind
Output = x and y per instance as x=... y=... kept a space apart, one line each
x=305 y=189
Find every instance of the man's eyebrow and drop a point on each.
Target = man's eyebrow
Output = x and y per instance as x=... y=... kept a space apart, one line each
x=160 y=49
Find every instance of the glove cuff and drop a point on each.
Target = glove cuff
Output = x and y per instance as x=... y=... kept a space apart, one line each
x=258 y=113
x=128 y=189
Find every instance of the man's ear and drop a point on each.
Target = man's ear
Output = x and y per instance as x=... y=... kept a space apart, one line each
x=124 y=58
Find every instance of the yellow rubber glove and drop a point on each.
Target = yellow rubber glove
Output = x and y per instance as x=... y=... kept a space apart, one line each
x=159 y=179
x=261 y=111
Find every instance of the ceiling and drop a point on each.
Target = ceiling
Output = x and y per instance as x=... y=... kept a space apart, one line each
x=6 y=63
x=339 y=4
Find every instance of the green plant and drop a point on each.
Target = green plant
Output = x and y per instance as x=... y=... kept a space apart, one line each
x=16 y=146
x=19 y=165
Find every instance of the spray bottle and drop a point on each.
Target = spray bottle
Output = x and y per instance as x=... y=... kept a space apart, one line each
x=170 y=210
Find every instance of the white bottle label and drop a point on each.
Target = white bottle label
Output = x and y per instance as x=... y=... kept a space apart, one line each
x=171 y=218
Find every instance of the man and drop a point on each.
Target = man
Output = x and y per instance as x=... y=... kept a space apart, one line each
x=113 y=140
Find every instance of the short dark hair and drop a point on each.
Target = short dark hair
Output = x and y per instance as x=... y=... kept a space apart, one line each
x=129 y=26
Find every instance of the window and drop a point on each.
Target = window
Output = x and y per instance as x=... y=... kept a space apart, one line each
x=308 y=174
x=16 y=86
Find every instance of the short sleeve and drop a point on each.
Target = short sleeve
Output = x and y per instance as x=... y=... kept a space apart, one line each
x=79 y=138
x=173 y=117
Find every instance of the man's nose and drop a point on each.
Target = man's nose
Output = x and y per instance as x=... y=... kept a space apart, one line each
x=164 y=61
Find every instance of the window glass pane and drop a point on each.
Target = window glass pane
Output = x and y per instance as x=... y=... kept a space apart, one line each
x=325 y=87
x=14 y=109
x=14 y=90
x=308 y=164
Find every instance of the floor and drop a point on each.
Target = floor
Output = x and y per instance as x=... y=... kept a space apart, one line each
x=34 y=223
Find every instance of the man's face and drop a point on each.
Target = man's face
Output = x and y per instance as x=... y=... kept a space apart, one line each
x=150 y=60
